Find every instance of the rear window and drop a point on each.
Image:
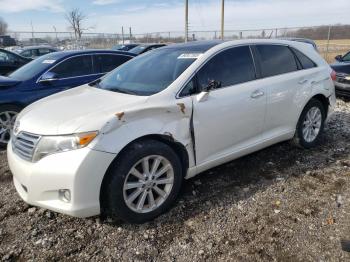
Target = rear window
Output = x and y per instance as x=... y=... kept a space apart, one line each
x=305 y=62
x=276 y=60
x=106 y=62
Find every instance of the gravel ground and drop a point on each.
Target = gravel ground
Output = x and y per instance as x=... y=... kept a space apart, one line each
x=279 y=204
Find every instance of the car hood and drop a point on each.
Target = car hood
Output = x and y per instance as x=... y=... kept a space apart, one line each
x=80 y=109
x=8 y=82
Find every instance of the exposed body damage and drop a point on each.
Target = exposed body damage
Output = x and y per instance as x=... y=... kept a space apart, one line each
x=172 y=120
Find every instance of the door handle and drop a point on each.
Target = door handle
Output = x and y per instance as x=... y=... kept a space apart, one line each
x=257 y=93
x=301 y=82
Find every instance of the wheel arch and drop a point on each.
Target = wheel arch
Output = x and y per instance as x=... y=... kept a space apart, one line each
x=323 y=99
x=178 y=148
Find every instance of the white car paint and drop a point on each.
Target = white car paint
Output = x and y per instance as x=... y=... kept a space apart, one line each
x=228 y=123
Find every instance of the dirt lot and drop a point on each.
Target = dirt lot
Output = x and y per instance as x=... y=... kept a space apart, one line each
x=282 y=204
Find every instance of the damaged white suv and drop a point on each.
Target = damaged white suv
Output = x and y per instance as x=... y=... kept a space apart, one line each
x=123 y=145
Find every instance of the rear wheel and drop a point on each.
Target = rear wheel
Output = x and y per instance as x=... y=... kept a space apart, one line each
x=310 y=125
x=8 y=114
x=143 y=182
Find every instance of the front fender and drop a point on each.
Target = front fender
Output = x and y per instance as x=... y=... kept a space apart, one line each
x=172 y=120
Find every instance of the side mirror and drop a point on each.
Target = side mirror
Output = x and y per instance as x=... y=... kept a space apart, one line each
x=213 y=84
x=48 y=77
x=339 y=58
x=203 y=96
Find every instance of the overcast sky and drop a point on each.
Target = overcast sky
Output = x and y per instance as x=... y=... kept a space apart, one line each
x=158 y=16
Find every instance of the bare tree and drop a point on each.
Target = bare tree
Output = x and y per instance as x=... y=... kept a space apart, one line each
x=3 y=26
x=76 y=19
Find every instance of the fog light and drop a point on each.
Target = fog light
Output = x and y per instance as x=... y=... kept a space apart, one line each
x=64 y=195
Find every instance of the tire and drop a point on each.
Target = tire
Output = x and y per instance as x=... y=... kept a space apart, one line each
x=119 y=177
x=8 y=114
x=301 y=139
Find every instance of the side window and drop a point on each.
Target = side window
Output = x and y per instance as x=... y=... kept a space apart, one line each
x=189 y=89
x=35 y=53
x=44 y=51
x=230 y=67
x=306 y=62
x=346 y=57
x=27 y=53
x=276 y=60
x=106 y=63
x=75 y=66
x=6 y=57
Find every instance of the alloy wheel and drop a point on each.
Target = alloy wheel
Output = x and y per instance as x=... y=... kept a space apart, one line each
x=7 y=121
x=312 y=124
x=148 y=184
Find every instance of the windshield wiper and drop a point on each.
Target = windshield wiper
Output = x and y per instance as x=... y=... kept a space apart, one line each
x=116 y=89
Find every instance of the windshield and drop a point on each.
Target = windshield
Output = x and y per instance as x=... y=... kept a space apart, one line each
x=33 y=68
x=346 y=58
x=150 y=73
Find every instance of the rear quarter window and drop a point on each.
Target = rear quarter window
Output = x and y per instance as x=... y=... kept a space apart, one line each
x=276 y=60
x=305 y=62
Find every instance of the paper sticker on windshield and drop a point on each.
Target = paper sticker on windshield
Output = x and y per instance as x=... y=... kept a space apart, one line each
x=190 y=56
x=49 y=61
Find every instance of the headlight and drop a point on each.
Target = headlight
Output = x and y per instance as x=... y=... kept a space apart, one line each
x=54 y=144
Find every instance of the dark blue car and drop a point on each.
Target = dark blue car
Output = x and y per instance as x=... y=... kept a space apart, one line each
x=50 y=74
x=342 y=69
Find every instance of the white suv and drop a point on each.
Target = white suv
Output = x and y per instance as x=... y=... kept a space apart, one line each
x=123 y=145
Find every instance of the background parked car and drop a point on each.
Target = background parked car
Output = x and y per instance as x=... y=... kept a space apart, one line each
x=145 y=48
x=10 y=61
x=36 y=51
x=6 y=40
x=124 y=47
x=342 y=68
x=51 y=74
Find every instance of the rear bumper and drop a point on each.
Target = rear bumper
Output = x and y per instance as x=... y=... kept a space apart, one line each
x=79 y=171
x=342 y=88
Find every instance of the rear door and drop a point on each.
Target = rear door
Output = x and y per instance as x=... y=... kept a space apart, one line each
x=286 y=83
x=72 y=72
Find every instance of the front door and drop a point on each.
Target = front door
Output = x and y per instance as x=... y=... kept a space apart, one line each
x=231 y=118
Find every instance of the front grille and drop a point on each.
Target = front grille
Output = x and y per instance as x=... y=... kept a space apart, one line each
x=24 y=145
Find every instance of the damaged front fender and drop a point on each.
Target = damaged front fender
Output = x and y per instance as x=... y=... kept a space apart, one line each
x=172 y=120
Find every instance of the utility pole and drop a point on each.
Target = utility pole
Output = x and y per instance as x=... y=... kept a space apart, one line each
x=186 y=21
x=123 y=34
x=54 y=28
x=31 y=24
x=222 y=18
x=130 y=34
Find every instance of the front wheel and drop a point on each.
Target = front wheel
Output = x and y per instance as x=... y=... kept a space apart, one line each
x=8 y=114
x=142 y=183
x=310 y=125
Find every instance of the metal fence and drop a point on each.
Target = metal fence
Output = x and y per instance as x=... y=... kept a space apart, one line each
x=331 y=40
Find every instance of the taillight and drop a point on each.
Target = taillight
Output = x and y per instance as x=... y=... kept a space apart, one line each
x=334 y=75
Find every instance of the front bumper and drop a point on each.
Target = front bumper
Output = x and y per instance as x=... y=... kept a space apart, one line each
x=80 y=171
